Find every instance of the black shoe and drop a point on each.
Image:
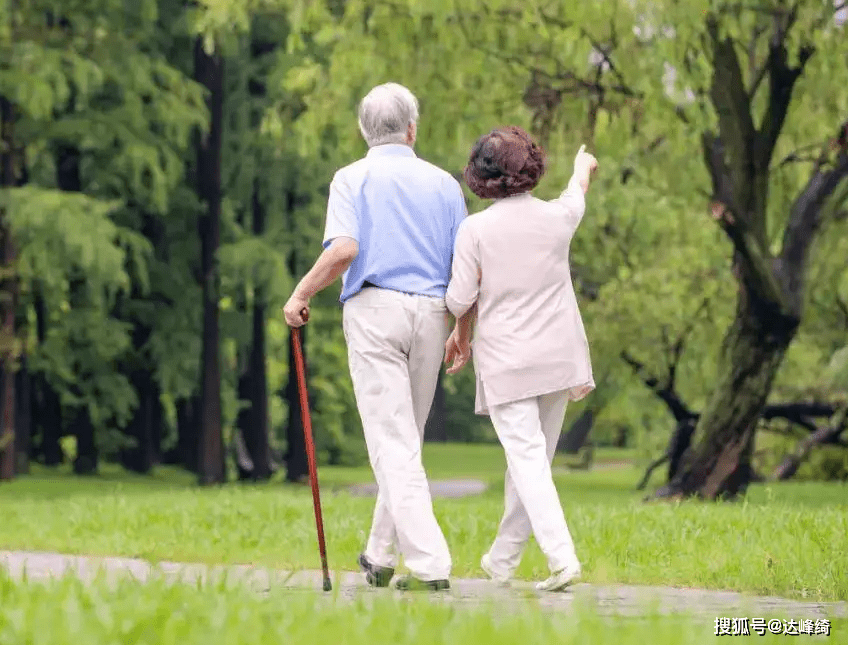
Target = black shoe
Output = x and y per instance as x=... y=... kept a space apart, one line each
x=408 y=583
x=374 y=575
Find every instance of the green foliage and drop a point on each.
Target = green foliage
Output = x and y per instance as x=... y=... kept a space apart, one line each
x=74 y=354
x=651 y=268
x=92 y=80
x=830 y=463
x=661 y=265
x=56 y=230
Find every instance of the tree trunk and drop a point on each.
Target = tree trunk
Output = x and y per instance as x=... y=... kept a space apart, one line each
x=209 y=72
x=46 y=402
x=297 y=466
x=260 y=447
x=718 y=463
x=88 y=456
x=253 y=385
x=8 y=293
x=23 y=418
x=679 y=443
x=259 y=443
x=255 y=428
x=186 y=451
x=143 y=427
x=436 y=428
x=244 y=460
x=157 y=421
x=69 y=178
x=7 y=425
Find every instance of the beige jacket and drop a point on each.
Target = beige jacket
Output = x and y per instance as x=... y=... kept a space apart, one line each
x=512 y=259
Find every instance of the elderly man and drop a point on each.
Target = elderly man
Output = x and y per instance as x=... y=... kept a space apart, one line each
x=392 y=220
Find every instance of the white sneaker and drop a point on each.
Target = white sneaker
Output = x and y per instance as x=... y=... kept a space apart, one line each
x=559 y=580
x=486 y=565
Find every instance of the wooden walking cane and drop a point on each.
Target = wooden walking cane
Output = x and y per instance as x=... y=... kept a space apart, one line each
x=310 y=453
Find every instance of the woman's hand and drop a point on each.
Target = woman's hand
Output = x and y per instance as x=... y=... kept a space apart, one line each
x=584 y=165
x=585 y=162
x=457 y=350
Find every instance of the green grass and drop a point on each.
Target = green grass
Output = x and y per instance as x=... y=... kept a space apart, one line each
x=67 y=612
x=784 y=539
x=443 y=461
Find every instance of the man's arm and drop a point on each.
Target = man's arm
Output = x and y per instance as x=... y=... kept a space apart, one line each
x=333 y=262
x=341 y=246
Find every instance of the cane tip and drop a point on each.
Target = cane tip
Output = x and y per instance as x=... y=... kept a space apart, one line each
x=328 y=586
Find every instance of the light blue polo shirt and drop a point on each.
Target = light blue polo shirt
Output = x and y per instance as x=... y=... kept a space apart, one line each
x=404 y=212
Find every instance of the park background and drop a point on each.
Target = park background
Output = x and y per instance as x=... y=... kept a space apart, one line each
x=165 y=168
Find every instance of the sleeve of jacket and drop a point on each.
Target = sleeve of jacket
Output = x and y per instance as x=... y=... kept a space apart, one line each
x=573 y=202
x=464 y=285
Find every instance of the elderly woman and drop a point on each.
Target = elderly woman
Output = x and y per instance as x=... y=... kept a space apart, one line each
x=531 y=357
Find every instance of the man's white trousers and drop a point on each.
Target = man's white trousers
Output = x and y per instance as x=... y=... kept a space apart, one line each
x=396 y=344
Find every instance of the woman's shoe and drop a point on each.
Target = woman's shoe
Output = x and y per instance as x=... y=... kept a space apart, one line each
x=489 y=570
x=559 y=580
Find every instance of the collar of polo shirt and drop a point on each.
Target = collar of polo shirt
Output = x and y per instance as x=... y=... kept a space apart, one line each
x=396 y=149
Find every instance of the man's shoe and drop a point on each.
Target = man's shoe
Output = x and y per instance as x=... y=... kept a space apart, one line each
x=559 y=580
x=409 y=583
x=489 y=570
x=375 y=576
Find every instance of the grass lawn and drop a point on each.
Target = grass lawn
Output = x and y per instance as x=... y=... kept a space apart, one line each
x=787 y=539
x=69 y=613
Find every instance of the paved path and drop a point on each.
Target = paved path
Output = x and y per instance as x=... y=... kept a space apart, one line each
x=438 y=488
x=628 y=600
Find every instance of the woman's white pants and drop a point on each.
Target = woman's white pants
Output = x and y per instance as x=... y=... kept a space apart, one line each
x=529 y=430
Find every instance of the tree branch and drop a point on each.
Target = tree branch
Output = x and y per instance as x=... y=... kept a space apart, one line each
x=829 y=15
x=795 y=412
x=805 y=219
x=757 y=75
x=665 y=391
x=797 y=155
x=827 y=434
x=622 y=86
x=736 y=125
x=843 y=309
x=782 y=79
x=755 y=261
x=573 y=83
x=680 y=342
x=739 y=159
x=656 y=463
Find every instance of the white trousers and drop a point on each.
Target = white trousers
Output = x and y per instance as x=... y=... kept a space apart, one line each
x=396 y=344
x=529 y=431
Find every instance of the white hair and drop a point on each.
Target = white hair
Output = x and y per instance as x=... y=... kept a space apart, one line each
x=385 y=114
